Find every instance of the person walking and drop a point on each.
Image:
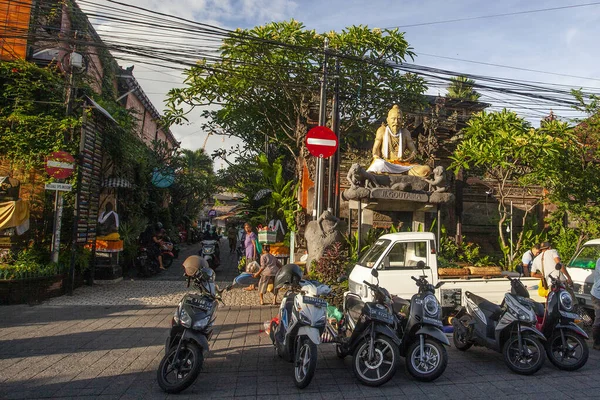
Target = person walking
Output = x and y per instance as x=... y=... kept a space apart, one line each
x=595 y=292
x=527 y=259
x=250 y=248
x=269 y=266
x=232 y=238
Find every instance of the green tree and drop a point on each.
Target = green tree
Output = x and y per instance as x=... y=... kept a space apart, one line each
x=576 y=177
x=268 y=76
x=461 y=87
x=505 y=150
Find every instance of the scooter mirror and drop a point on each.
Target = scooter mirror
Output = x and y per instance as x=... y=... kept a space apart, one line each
x=558 y=266
x=342 y=278
x=375 y=273
x=519 y=269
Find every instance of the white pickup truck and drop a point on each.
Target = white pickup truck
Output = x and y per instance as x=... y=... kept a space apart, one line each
x=396 y=255
x=581 y=269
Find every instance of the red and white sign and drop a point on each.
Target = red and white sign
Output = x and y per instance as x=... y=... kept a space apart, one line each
x=321 y=142
x=60 y=165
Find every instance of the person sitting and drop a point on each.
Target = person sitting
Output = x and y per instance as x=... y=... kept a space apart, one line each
x=391 y=143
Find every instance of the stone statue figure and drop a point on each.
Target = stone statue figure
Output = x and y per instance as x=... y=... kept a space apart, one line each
x=390 y=147
x=323 y=232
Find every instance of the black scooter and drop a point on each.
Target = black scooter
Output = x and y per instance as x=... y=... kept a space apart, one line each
x=508 y=328
x=420 y=328
x=368 y=332
x=191 y=329
x=566 y=345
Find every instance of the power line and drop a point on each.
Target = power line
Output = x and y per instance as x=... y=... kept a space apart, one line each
x=510 y=67
x=495 y=15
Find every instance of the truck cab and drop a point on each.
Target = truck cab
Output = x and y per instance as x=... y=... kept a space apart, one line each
x=396 y=256
x=581 y=269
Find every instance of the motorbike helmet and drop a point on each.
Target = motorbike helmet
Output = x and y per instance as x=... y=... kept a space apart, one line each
x=289 y=274
x=193 y=264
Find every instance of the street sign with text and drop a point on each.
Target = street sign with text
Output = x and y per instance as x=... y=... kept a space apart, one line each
x=321 y=142
x=63 y=187
x=60 y=165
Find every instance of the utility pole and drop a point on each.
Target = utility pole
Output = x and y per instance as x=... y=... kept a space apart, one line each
x=333 y=189
x=322 y=122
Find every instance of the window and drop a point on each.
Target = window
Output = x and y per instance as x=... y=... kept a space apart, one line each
x=371 y=256
x=406 y=255
x=586 y=258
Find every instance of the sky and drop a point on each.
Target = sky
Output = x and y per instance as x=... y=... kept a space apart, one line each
x=555 y=43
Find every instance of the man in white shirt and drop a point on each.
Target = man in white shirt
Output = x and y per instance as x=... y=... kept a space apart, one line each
x=595 y=292
x=527 y=259
x=545 y=263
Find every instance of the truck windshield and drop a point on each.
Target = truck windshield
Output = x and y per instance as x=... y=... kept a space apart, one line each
x=376 y=250
x=587 y=257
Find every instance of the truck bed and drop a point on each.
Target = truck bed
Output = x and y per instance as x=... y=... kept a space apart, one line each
x=452 y=293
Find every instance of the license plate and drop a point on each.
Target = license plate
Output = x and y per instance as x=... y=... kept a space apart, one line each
x=202 y=303
x=381 y=315
x=315 y=301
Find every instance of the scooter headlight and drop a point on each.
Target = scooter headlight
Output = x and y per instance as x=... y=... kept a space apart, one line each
x=202 y=323
x=185 y=319
x=321 y=321
x=176 y=314
x=304 y=318
x=566 y=301
x=431 y=305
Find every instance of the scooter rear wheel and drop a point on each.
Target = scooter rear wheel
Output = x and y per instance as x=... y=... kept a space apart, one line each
x=460 y=338
x=571 y=356
x=528 y=363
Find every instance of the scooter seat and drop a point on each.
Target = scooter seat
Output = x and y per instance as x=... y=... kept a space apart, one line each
x=538 y=308
x=399 y=304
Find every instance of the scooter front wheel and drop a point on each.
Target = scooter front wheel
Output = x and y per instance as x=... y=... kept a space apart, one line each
x=381 y=367
x=305 y=362
x=570 y=355
x=429 y=364
x=176 y=374
x=526 y=360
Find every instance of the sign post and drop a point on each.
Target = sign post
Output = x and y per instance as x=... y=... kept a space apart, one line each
x=59 y=165
x=321 y=142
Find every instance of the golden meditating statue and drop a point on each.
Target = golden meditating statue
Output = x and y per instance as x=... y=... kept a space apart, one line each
x=391 y=143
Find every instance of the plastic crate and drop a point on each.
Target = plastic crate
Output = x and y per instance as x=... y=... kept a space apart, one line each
x=267 y=236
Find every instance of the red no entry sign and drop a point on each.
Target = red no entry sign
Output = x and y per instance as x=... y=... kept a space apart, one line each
x=60 y=165
x=321 y=142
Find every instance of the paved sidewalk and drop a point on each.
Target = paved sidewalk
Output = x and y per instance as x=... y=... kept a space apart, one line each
x=113 y=352
x=106 y=341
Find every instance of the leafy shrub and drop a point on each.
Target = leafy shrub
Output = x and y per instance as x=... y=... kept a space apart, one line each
x=332 y=265
x=30 y=263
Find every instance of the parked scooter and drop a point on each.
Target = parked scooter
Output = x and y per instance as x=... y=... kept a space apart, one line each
x=368 y=332
x=297 y=329
x=420 y=329
x=210 y=251
x=191 y=329
x=509 y=329
x=566 y=345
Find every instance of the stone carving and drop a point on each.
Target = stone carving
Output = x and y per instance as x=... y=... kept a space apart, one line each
x=365 y=185
x=319 y=234
x=439 y=182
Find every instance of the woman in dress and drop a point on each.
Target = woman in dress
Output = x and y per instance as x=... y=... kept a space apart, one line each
x=250 y=248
